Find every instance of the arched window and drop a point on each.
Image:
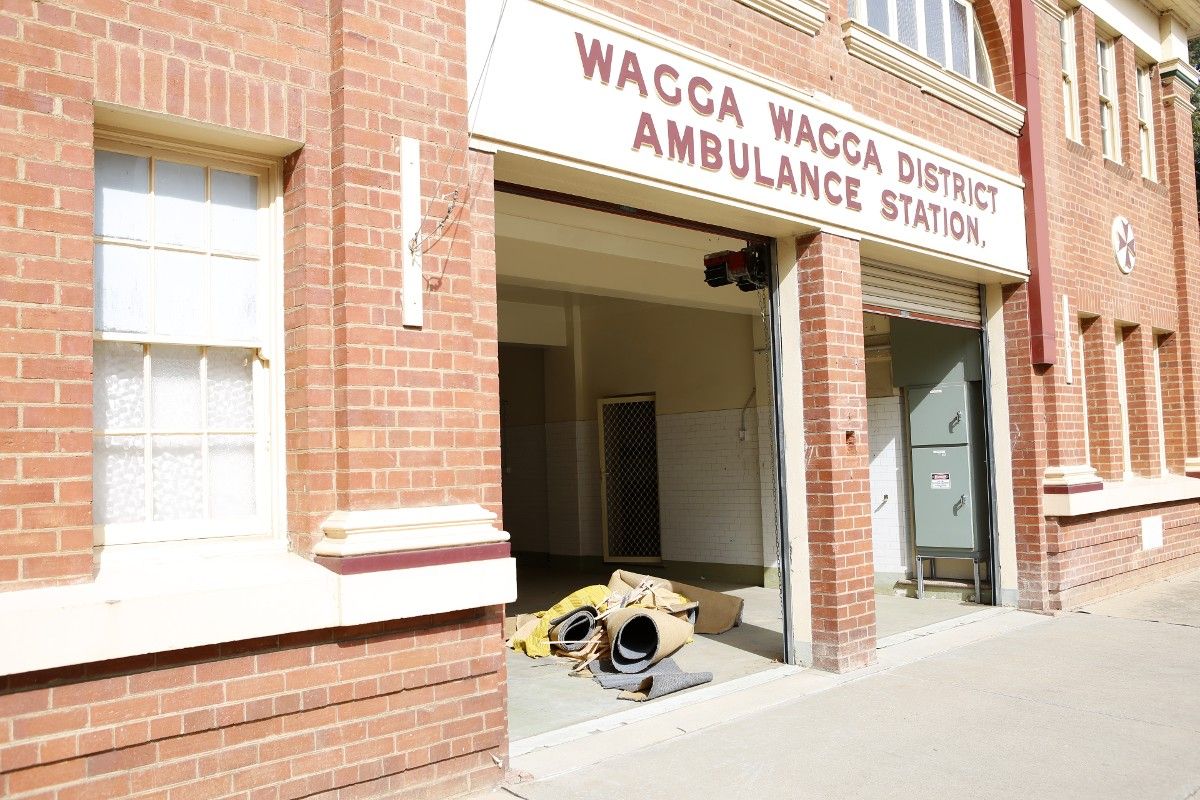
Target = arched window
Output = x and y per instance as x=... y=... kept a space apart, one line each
x=945 y=31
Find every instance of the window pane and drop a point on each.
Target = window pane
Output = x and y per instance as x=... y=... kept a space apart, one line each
x=1068 y=110
x=877 y=15
x=935 y=36
x=179 y=204
x=983 y=69
x=179 y=293
x=119 y=480
x=122 y=288
x=117 y=386
x=234 y=299
x=174 y=388
x=906 y=22
x=1064 y=45
x=234 y=212
x=122 y=195
x=178 y=475
x=230 y=389
x=231 y=472
x=959 y=55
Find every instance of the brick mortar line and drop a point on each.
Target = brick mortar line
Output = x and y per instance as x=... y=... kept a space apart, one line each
x=236 y=725
x=401 y=630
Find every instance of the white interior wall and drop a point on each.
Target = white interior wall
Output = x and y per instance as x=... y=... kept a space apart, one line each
x=709 y=488
x=889 y=482
x=698 y=363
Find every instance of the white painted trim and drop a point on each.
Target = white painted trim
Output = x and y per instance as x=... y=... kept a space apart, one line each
x=931 y=77
x=412 y=305
x=1002 y=445
x=806 y=16
x=1118 y=495
x=392 y=530
x=802 y=96
x=1070 y=475
x=1052 y=8
x=140 y=605
x=191 y=134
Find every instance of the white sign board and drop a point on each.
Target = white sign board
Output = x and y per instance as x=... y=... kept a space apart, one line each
x=566 y=81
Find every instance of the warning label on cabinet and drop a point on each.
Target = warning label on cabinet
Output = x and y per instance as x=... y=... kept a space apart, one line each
x=939 y=480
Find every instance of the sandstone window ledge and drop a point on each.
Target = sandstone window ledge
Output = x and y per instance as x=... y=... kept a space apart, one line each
x=804 y=15
x=931 y=77
x=1118 y=495
x=147 y=602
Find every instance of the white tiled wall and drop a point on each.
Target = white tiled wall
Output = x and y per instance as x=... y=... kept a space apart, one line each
x=767 y=489
x=708 y=487
x=573 y=488
x=710 y=499
x=889 y=517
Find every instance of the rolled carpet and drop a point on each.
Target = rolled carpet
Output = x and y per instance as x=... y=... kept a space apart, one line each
x=663 y=678
x=641 y=637
x=572 y=630
x=717 y=613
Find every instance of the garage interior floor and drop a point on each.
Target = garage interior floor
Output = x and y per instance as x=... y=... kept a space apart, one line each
x=543 y=696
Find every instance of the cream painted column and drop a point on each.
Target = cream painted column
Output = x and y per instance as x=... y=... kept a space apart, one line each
x=768 y=490
x=791 y=395
x=1002 y=465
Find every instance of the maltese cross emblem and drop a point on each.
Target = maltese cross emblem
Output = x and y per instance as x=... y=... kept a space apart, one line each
x=1124 y=247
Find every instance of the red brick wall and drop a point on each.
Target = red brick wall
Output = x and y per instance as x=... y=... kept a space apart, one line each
x=1093 y=557
x=1086 y=191
x=837 y=458
x=401 y=709
x=1028 y=434
x=377 y=415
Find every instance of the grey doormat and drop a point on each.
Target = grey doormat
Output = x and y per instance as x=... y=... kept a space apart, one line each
x=663 y=678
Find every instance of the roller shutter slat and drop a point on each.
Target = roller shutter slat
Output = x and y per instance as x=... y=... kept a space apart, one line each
x=919 y=293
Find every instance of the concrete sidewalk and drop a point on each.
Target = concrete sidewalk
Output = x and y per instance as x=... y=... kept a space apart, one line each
x=1100 y=704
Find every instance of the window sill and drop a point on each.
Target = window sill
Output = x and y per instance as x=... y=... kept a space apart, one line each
x=932 y=78
x=1118 y=495
x=806 y=16
x=150 y=600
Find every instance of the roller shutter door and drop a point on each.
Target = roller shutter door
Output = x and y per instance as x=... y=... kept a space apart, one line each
x=900 y=289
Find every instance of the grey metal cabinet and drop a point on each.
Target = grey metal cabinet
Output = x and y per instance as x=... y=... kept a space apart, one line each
x=943 y=501
x=938 y=415
x=948 y=473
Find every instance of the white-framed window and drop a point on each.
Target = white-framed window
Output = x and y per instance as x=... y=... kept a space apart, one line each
x=1156 y=357
x=1145 y=115
x=1070 y=75
x=1123 y=403
x=945 y=31
x=1106 y=84
x=184 y=321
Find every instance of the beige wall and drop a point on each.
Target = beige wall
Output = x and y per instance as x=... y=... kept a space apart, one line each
x=691 y=359
x=522 y=397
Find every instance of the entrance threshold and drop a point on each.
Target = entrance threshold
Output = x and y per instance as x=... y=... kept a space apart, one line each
x=568 y=749
x=643 y=711
x=938 y=627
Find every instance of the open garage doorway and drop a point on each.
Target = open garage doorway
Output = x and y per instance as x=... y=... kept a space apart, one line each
x=637 y=434
x=931 y=482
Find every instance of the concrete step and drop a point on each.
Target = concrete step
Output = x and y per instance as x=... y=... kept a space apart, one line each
x=945 y=588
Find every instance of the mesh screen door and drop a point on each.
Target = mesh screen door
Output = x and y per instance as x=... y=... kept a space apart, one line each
x=629 y=479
